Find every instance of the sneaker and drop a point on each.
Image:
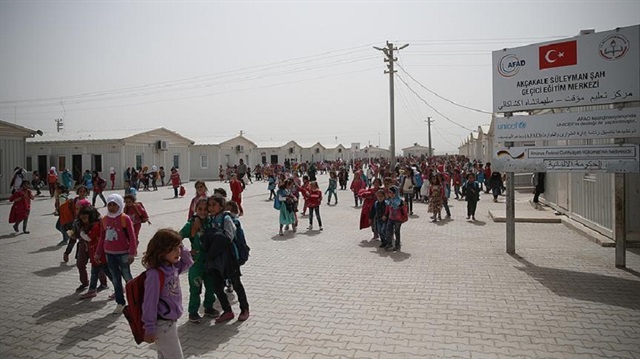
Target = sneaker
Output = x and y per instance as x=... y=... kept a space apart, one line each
x=468 y=217
x=118 y=309
x=195 y=318
x=211 y=312
x=15 y=228
x=295 y=228
x=81 y=288
x=282 y=234
x=89 y=294
x=286 y=228
x=112 y=296
x=65 y=257
x=102 y=287
x=26 y=232
x=320 y=228
x=310 y=228
x=244 y=315
x=225 y=317
x=473 y=218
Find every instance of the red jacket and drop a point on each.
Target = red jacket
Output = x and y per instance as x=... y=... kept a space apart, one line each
x=236 y=189
x=21 y=205
x=313 y=198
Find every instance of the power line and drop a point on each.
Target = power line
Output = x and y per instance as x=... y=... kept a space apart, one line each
x=441 y=97
x=241 y=71
x=431 y=107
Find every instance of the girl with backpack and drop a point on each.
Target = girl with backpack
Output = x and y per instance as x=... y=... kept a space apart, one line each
x=271 y=186
x=286 y=204
x=165 y=259
x=89 y=220
x=136 y=211
x=436 y=198
x=241 y=251
x=21 y=207
x=52 y=181
x=82 y=247
x=395 y=214
x=99 y=184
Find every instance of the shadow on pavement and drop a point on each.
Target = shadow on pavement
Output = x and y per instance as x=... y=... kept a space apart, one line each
x=87 y=331
x=396 y=256
x=52 y=248
x=10 y=235
x=479 y=223
x=53 y=271
x=200 y=339
x=65 y=308
x=585 y=286
x=369 y=243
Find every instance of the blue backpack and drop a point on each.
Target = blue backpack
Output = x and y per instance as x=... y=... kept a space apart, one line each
x=276 y=202
x=240 y=244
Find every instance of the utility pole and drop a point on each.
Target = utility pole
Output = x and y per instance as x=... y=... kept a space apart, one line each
x=428 y=121
x=388 y=51
x=59 y=124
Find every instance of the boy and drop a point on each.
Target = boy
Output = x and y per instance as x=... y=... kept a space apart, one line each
x=472 y=191
x=378 y=219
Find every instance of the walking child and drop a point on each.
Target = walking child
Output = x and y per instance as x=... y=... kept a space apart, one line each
x=287 y=207
x=136 y=211
x=356 y=186
x=333 y=185
x=394 y=214
x=472 y=195
x=81 y=246
x=237 y=187
x=313 y=199
x=175 y=181
x=21 y=207
x=119 y=242
x=162 y=305
x=436 y=198
x=378 y=217
x=198 y=275
x=238 y=242
x=271 y=186
x=89 y=219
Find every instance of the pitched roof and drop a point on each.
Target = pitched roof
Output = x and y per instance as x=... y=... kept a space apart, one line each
x=27 y=132
x=98 y=135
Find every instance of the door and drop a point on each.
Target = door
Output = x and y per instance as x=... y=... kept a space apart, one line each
x=274 y=159
x=76 y=168
x=264 y=160
x=43 y=169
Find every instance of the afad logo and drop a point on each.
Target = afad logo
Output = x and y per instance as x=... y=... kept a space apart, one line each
x=510 y=65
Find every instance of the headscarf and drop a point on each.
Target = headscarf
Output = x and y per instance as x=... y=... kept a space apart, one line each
x=395 y=201
x=53 y=170
x=83 y=203
x=117 y=199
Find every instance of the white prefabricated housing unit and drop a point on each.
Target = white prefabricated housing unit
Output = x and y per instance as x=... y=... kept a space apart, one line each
x=13 y=153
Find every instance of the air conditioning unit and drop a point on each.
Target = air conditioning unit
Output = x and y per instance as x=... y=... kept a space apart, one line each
x=162 y=145
x=291 y=150
x=239 y=148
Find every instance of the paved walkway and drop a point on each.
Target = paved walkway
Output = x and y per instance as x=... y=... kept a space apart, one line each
x=451 y=292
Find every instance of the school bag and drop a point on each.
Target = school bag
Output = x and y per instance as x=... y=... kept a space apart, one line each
x=67 y=213
x=182 y=191
x=241 y=244
x=103 y=223
x=276 y=203
x=472 y=191
x=134 y=291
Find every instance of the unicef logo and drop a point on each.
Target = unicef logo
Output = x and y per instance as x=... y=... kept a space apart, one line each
x=512 y=126
x=522 y=125
x=510 y=65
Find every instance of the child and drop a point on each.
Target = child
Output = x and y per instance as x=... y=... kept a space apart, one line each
x=52 y=180
x=36 y=182
x=137 y=213
x=162 y=174
x=236 y=187
x=356 y=186
x=436 y=198
x=232 y=208
x=64 y=221
x=271 y=186
x=472 y=195
x=120 y=245
x=378 y=217
x=201 y=192
x=313 y=199
x=162 y=305
x=82 y=249
x=369 y=196
x=112 y=177
x=223 y=261
x=175 y=181
x=457 y=182
x=304 y=188
x=90 y=235
x=99 y=184
x=333 y=185
x=393 y=214
x=21 y=207
x=198 y=275
x=129 y=189
x=287 y=207
x=221 y=173
x=495 y=184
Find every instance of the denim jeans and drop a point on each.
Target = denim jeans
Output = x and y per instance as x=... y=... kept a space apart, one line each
x=381 y=228
x=119 y=268
x=65 y=236
x=98 y=272
x=393 y=230
x=408 y=199
x=317 y=210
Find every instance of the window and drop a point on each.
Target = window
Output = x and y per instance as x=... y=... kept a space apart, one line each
x=139 y=161
x=96 y=163
x=29 y=164
x=176 y=161
x=204 y=161
x=62 y=163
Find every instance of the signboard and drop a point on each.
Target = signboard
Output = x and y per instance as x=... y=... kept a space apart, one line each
x=592 y=158
x=592 y=69
x=612 y=123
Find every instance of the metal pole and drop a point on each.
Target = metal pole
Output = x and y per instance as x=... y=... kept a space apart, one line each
x=511 y=214
x=429 y=126
x=620 y=223
x=392 y=144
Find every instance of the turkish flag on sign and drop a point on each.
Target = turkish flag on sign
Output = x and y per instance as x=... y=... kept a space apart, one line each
x=558 y=55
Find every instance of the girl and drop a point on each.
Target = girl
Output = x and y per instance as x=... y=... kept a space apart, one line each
x=472 y=195
x=21 y=207
x=495 y=184
x=201 y=192
x=271 y=186
x=407 y=182
x=436 y=198
x=236 y=187
x=118 y=240
x=154 y=177
x=82 y=249
x=35 y=182
x=89 y=220
x=162 y=174
x=99 y=184
x=64 y=206
x=112 y=177
x=198 y=275
x=356 y=186
x=287 y=207
x=175 y=181
x=162 y=305
x=67 y=178
x=313 y=199
x=17 y=179
x=232 y=208
x=394 y=214
x=137 y=213
x=224 y=262
x=333 y=185
x=52 y=180
x=369 y=196
x=457 y=182
x=221 y=173
x=87 y=180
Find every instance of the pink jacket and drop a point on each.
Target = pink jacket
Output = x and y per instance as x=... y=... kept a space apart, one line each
x=114 y=239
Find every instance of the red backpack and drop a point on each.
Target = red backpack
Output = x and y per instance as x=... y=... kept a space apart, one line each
x=134 y=291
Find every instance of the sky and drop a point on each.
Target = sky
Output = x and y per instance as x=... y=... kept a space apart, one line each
x=276 y=70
